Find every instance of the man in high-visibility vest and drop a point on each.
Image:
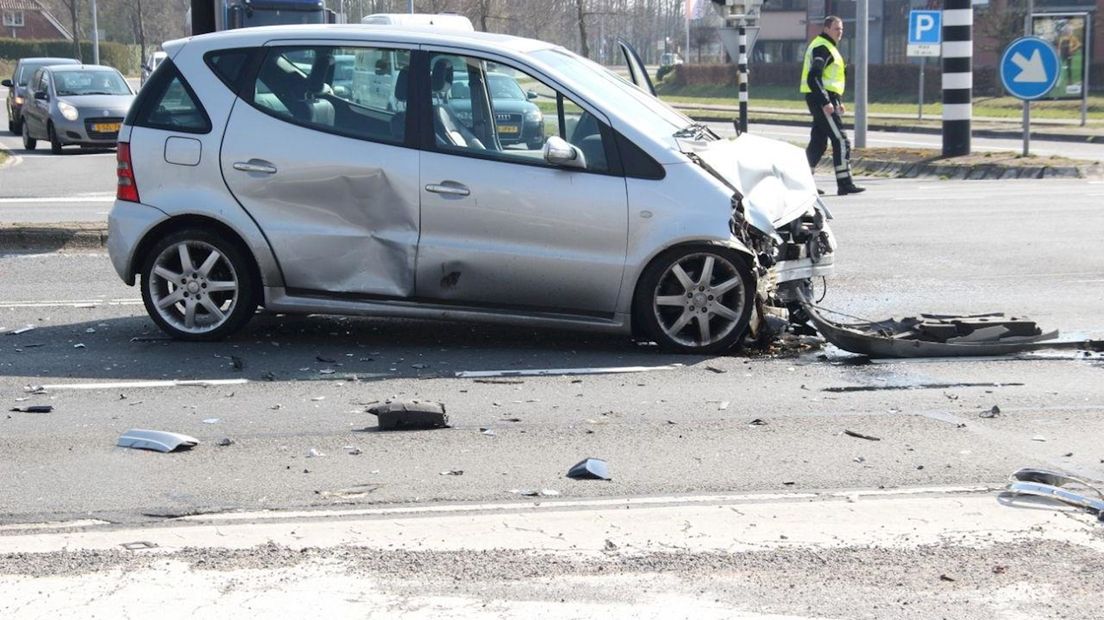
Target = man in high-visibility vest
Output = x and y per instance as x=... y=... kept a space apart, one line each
x=822 y=80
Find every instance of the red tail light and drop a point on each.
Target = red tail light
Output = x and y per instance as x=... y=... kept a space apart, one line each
x=128 y=187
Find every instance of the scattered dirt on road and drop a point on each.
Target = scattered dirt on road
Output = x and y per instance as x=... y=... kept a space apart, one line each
x=1038 y=578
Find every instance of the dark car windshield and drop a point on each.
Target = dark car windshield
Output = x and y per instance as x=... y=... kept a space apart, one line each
x=97 y=82
x=27 y=69
x=502 y=87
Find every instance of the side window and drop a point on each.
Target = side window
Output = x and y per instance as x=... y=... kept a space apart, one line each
x=228 y=65
x=489 y=109
x=168 y=102
x=358 y=92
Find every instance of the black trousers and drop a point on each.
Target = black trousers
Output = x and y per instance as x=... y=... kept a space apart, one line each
x=829 y=128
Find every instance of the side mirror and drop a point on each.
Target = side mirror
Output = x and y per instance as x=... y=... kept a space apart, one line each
x=559 y=153
x=42 y=95
x=531 y=94
x=7 y=83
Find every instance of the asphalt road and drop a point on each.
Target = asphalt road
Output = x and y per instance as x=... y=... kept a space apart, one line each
x=906 y=247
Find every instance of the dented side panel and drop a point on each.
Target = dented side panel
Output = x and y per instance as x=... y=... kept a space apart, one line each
x=340 y=213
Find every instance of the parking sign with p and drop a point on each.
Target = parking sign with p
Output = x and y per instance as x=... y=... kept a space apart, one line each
x=925 y=33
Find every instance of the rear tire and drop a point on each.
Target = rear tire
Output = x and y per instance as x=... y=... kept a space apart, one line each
x=696 y=299
x=55 y=142
x=198 y=285
x=29 y=143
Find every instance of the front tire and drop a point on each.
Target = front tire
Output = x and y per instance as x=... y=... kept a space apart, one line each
x=29 y=143
x=55 y=142
x=696 y=299
x=197 y=285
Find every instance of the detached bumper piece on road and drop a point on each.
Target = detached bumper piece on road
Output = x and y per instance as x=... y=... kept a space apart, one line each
x=937 y=335
x=1058 y=487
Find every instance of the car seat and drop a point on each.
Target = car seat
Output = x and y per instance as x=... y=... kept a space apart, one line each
x=447 y=127
x=398 y=120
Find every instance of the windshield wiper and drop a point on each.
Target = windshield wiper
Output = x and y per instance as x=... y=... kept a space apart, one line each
x=695 y=131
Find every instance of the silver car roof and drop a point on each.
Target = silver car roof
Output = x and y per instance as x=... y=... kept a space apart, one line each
x=410 y=35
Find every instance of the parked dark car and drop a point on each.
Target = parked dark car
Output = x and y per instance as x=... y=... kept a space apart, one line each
x=518 y=119
x=18 y=92
x=82 y=104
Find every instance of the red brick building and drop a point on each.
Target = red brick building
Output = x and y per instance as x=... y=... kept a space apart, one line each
x=28 y=19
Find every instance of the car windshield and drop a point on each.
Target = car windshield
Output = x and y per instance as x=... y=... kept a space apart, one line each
x=649 y=114
x=502 y=87
x=69 y=83
x=27 y=69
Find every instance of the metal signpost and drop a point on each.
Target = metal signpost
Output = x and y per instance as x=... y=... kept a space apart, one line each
x=925 y=38
x=1028 y=71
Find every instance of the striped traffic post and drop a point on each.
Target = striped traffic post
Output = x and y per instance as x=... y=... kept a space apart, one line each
x=958 y=77
x=742 y=68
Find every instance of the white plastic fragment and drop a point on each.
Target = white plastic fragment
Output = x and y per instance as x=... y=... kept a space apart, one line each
x=160 y=441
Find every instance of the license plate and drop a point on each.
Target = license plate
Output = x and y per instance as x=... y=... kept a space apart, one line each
x=106 y=127
x=508 y=129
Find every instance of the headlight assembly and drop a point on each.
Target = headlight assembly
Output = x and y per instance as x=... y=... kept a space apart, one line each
x=534 y=116
x=68 y=111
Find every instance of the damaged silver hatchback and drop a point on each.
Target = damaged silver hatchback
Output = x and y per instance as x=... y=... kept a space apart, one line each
x=252 y=173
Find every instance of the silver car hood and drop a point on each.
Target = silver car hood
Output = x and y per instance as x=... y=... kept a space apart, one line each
x=114 y=105
x=773 y=177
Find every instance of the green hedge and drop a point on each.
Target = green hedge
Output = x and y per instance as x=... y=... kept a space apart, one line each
x=125 y=58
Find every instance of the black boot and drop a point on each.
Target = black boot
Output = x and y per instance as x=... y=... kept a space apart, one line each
x=850 y=188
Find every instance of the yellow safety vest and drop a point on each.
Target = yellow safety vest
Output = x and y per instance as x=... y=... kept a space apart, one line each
x=834 y=74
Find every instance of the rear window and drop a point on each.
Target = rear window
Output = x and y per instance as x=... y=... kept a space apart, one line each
x=168 y=102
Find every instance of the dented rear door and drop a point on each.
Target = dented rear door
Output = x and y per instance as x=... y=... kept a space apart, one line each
x=328 y=180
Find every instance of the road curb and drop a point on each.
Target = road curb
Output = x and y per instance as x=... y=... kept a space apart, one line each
x=943 y=170
x=52 y=237
x=903 y=128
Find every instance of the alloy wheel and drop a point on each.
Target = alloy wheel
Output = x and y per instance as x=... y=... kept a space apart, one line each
x=193 y=287
x=700 y=299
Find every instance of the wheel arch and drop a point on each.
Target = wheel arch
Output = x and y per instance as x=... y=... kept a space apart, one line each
x=182 y=222
x=732 y=244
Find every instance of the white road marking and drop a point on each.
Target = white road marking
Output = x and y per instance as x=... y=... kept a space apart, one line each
x=55 y=525
x=71 y=303
x=57 y=199
x=145 y=384
x=545 y=504
x=542 y=372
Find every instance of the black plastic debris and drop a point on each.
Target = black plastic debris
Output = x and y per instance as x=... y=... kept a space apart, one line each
x=940 y=335
x=861 y=436
x=589 y=469
x=991 y=413
x=758 y=422
x=410 y=414
x=225 y=441
x=34 y=409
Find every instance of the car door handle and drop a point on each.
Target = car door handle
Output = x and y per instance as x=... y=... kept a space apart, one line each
x=448 y=188
x=255 y=165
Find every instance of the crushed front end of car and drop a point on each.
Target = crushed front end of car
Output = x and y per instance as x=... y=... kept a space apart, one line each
x=777 y=213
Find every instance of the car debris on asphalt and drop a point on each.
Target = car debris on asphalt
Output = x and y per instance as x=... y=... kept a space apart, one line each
x=1057 y=487
x=939 y=335
x=34 y=409
x=589 y=469
x=160 y=441
x=409 y=415
x=861 y=436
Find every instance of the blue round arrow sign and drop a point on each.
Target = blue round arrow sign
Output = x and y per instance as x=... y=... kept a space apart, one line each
x=1029 y=68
